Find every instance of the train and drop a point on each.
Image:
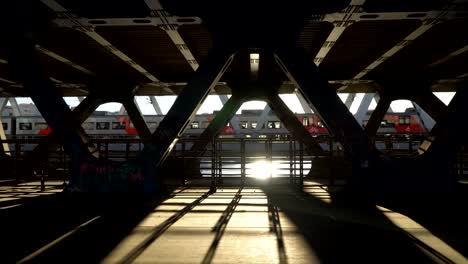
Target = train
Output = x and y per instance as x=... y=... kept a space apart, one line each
x=244 y=125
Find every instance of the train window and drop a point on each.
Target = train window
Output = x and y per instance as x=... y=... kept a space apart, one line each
x=194 y=125
x=205 y=124
x=25 y=126
x=248 y=135
x=274 y=124
x=118 y=125
x=262 y=136
x=305 y=121
x=40 y=125
x=243 y=124
x=102 y=125
x=404 y=120
x=131 y=125
x=253 y=125
x=88 y=125
x=5 y=126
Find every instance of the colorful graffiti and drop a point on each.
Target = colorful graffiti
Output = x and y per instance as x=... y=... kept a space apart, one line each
x=109 y=176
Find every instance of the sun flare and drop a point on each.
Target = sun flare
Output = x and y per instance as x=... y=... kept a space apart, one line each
x=261 y=169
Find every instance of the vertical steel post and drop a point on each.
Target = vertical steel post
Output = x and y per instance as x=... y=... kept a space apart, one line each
x=291 y=179
x=213 y=165
x=242 y=161
x=301 y=165
x=220 y=162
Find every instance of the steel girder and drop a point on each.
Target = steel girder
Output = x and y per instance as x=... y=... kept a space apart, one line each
x=326 y=103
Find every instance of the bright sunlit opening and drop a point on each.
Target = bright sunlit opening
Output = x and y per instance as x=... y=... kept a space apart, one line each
x=261 y=169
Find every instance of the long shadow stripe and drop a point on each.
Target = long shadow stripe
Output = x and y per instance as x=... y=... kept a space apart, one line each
x=160 y=229
x=276 y=228
x=221 y=226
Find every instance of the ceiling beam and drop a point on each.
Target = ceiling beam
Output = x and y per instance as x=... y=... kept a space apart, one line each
x=90 y=32
x=63 y=60
x=171 y=31
x=338 y=17
x=449 y=57
x=432 y=18
x=339 y=27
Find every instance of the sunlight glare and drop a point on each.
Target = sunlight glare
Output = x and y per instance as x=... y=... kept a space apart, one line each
x=261 y=169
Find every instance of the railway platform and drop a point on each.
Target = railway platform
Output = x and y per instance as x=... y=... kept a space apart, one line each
x=261 y=222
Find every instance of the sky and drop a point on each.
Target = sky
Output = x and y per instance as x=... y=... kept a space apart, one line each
x=213 y=103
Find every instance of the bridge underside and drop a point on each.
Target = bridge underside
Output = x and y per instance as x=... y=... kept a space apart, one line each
x=112 y=53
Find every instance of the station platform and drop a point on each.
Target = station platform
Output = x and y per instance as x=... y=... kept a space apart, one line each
x=257 y=223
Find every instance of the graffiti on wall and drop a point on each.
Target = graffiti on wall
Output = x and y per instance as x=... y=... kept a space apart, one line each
x=109 y=176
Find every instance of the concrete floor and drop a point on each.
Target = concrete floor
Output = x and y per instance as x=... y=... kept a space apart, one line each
x=262 y=224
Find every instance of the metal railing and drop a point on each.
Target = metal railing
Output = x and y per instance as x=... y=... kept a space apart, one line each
x=223 y=157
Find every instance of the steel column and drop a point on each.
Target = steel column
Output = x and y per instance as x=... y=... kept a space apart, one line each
x=217 y=124
x=363 y=107
x=262 y=118
x=81 y=112
x=377 y=115
x=14 y=106
x=303 y=103
x=234 y=121
x=325 y=102
x=293 y=125
x=137 y=119
x=155 y=104
x=349 y=100
x=432 y=105
x=426 y=120
x=3 y=103
x=46 y=97
x=186 y=105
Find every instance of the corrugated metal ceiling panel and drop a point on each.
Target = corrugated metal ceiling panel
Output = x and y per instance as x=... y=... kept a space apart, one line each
x=436 y=43
x=151 y=48
x=86 y=52
x=363 y=43
x=198 y=40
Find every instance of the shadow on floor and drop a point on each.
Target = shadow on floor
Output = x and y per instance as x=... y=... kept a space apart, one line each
x=443 y=214
x=63 y=228
x=346 y=231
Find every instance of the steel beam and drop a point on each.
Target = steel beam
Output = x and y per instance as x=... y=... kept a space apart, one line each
x=47 y=99
x=137 y=119
x=90 y=32
x=3 y=103
x=5 y=147
x=377 y=116
x=325 y=103
x=303 y=103
x=155 y=104
x=263 y=117
x=363 y=107
x=122 y=110
x=293 y=125
x=449 y=133
x=234 y=120
x=64 y=60
x=355 y=6
x=426 y=120
x=81 y=112
x=16 y=110
x=408 y=39
x=226 y=113
x=186 y=106
x=448 y=57
x=432 y=105
x=338 y=17
x=349 y=100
